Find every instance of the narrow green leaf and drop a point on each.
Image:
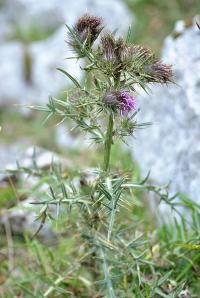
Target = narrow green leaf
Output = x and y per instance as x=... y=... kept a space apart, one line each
x=73 y=79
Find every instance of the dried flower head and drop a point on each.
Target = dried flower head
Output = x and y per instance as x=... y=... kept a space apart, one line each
x=108 y=47
x=112 y=49
x=120 y=101
x=159 y=72
x=116 y=55
x=140 y=52
x=85 y=31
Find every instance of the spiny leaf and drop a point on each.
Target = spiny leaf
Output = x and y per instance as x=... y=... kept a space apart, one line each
x=73 y=79
x=129 y=34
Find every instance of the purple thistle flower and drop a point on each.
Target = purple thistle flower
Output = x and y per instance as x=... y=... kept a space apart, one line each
x=120 y=100
x=127 y=103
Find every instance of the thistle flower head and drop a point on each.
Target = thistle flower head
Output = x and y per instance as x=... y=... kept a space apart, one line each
x=112 y=49
x=159 y=72
x=128 y=103
x=108 y=47
x=86 y=30
x=120 y=101
x=88 y=27
x=140 y=52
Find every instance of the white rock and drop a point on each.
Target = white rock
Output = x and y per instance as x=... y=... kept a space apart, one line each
x=171 y=146
x=46 y=57
x=22 y=217
x=51 y=14
x=68 y=140
x=180 y=26
x=11 y=73
x=22 y=220
x=6 y=27
x=44 y=78
x=12 y=156
x=43 y=158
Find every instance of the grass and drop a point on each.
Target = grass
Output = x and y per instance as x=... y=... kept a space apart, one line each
x=167 y=262
x=29 y=128
x=155 y=19
x=31 y=33
x=7 y=197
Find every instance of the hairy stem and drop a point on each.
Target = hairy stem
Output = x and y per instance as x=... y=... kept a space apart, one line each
x=108 y=142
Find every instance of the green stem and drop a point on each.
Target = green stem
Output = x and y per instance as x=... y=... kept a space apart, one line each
x=109 y=133
x=108 y=143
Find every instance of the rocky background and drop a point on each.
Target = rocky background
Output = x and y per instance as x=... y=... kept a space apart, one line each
x=170 y=148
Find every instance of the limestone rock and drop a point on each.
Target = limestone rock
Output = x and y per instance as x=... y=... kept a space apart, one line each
x=68 y=139
x=33 y=83
x=170 y=148
x=22 y=217
x=52 y=14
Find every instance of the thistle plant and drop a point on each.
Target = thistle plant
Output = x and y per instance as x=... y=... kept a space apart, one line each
x=105 y=107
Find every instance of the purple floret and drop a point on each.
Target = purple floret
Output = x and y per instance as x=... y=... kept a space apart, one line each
x=127 y=103
x=120 y=101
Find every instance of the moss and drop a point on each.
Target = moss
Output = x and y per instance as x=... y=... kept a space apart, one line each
x=27 y=65
x=176 y=34
x=16 y=127
x=31 y=33
x=7 y=197
x=188 y=23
